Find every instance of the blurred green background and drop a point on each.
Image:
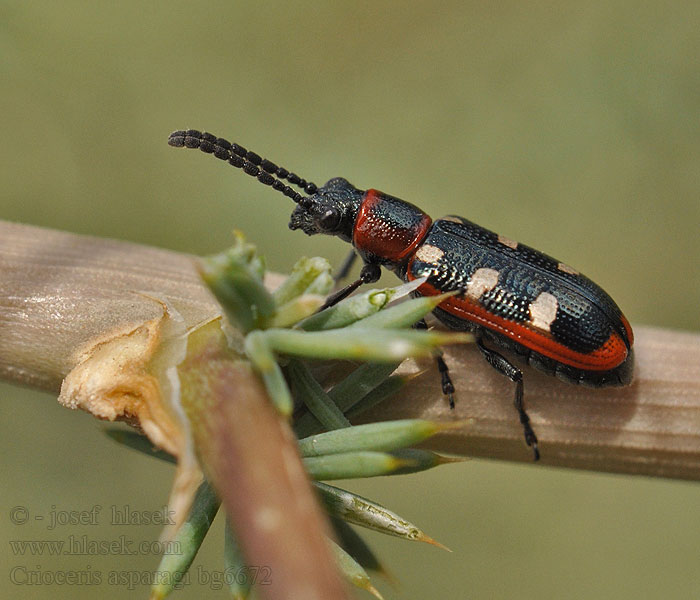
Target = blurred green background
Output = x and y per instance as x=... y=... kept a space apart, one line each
x=573 y=127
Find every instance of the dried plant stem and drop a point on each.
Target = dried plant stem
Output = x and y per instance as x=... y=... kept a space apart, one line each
x=58 y=291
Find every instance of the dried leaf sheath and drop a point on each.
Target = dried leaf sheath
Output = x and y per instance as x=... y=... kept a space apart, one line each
x=61 y=294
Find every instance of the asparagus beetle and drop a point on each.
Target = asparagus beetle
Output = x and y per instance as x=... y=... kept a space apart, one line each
x=514 y=297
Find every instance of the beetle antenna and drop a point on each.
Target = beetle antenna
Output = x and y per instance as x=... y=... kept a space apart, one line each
x=265 y=171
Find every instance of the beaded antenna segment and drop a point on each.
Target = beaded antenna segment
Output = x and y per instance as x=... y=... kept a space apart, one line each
x=264 y=170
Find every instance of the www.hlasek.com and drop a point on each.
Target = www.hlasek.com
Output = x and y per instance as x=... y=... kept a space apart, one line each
x=82 y=545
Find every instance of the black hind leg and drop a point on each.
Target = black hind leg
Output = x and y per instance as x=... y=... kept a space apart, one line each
x=448 y=388
x=504 y=367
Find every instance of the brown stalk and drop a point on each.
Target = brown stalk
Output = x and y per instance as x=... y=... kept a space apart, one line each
x=58 y=291
x=251 y=456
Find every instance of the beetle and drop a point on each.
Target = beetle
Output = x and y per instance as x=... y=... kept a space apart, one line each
x=514 y=297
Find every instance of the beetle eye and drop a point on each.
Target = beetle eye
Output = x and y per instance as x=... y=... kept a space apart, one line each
x=329 y=219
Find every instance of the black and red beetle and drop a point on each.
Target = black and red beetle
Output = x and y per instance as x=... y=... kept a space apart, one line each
x=514 y=297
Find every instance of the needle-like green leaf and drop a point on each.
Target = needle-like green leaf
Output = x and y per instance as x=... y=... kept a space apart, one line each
x=366 y=513
x=360 y=383
x=138 y=442
x=385 y=436
x=351 y=391
x=258 y=351
x=355 y=546
x=355 y=343
x=187 y=541
x=316 y=400
x=403 y=314
x=308 y=276
x=421 y=460
x=386 y=388
x=242 y=295
x=238 y=576
x=353 y=571
x=297 y=309
x=356 y=308
x=353 y=465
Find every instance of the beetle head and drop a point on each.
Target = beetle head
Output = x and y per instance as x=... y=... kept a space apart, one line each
x=331 y=210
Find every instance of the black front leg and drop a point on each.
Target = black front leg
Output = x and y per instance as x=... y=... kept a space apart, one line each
x=370 y=274
x=505 y=367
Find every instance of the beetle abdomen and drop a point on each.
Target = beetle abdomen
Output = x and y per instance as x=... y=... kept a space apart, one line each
x=554 y=317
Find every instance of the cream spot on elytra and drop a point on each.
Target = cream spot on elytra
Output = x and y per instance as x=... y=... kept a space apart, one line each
x=429 y=254
x=543 y=311
x=502 y=239
x=482 y=280
x=567 y=269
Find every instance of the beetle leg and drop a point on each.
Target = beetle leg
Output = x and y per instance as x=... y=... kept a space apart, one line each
x=345 y=266
x=505 y=367
x=448 y=388
x=369 y=274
